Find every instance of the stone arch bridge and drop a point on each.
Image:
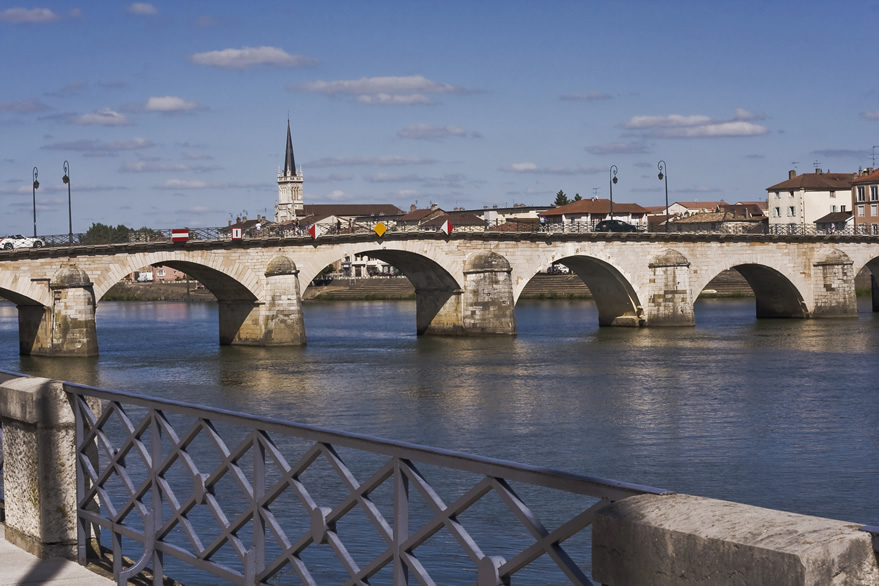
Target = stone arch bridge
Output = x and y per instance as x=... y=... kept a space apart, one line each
x=465 y=284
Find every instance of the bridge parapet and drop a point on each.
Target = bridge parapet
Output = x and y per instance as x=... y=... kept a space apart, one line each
x=674 y=540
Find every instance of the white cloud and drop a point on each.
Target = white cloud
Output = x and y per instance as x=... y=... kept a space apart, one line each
x=874 y=115
x=697 y=126
x=616 y=148
x=142 y=8
x=183 y=184
x=170 y=104
x=97 y=148
x=388 y=90
x=395 y=100
x=104 y=117
x=714 y=130
x=529 y=167
x=672 y=120
x=153 y=166
x=248 y=57
x=375 y=161
x=23 y=107
x=587 y=97
x=430 y=132
x=28 y=16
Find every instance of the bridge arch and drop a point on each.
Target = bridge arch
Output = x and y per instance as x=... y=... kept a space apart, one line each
x=616 y=299
x=227 y=281
x=775 y=294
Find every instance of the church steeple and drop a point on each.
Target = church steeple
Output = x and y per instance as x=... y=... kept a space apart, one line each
x=289 y=161
x=289 y=204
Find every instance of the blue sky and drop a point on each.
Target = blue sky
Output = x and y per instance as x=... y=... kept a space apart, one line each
x=174 y=114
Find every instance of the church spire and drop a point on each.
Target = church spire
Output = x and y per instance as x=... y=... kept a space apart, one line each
x=289 y=162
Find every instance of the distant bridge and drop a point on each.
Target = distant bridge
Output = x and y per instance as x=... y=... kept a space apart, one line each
x=465 y=283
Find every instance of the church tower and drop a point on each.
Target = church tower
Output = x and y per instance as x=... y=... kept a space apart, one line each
x=289 y=205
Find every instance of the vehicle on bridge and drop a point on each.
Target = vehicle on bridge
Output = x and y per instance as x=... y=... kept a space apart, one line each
x=19 y=241
x=615 y=226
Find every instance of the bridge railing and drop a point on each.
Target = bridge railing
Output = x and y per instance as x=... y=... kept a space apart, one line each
x=255 y=500
x=288 y=231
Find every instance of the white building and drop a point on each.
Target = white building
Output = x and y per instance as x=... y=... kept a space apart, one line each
x=797 y=203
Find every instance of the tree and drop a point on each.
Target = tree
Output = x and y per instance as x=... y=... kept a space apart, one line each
x=560 y=199
x=102 y=234
x=577 y=197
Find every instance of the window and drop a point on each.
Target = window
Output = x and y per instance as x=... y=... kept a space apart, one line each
x=792 y=212
x=833 y=194
x=791 y=193
x=776 y=194
x=860 y=210
x=842 y=208
x=160 y=272
x=862 y=228
x=776 y=212
x=861 y=193
x=874 y=209
x=874 y=192
x=832 y=208
x=875 y=228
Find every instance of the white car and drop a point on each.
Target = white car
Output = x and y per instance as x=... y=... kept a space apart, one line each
x=19 y=241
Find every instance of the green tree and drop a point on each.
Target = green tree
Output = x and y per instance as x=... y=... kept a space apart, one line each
x=103 y=234
x=560 y=199
x=577 y=197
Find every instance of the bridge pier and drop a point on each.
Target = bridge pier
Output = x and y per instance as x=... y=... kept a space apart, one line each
x=275 y=320
x=68 y=327
x=669 y=302
x=834 y=286
x=483 y=307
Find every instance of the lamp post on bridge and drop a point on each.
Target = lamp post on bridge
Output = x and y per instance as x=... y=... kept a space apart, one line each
x=66 y=180
x=613 y=179
x=36 y=186
x=663 y=174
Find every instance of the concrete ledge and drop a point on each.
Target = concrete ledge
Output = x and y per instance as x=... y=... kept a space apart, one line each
x=36 y=401
x=679 y=539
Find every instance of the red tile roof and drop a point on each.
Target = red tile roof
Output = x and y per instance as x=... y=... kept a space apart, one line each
x=594 y=206
x=816 y=182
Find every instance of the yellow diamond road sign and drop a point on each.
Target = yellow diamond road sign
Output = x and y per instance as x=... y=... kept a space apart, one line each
x=380 y=229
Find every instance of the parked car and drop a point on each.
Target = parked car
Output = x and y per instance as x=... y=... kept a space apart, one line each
x=615 y=226
x=19 y=241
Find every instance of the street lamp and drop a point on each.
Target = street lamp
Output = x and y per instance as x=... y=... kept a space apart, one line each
x=664 y=175
x=66 y=180
x=36 y=186
x=613 y=179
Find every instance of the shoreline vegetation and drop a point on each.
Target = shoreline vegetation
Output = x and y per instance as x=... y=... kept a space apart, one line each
x=543 y=286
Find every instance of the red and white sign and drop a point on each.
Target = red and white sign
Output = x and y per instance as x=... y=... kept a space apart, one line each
x=314 y=230
x=179 y=235
x=447 y=227
x=236 y=234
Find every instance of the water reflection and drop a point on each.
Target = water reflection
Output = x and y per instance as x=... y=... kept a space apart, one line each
x=776 y=413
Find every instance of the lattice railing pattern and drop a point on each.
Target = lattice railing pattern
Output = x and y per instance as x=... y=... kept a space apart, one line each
x=254 y=500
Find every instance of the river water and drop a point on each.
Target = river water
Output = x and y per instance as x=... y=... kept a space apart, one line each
x=774 y=413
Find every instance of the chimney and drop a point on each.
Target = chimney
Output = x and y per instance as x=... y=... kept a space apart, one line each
x=818 y=171
x=412 y=208
x=433 y=206
x=792 y=173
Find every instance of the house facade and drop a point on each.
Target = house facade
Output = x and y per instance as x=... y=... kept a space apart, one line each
x=795 y=204
x=583 y=215
x=865 y=202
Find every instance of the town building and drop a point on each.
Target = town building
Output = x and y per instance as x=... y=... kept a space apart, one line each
x=794 y=205
x=584 y=214
x=865 y=202
x=725 y=219
x=836 y=223
x=289 y=205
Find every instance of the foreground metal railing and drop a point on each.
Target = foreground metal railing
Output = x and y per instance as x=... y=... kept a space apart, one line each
x=256 y=500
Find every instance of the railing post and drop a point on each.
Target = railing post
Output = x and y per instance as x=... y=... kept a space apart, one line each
x=259 y=491
x=401 y=523
x=39 y=467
